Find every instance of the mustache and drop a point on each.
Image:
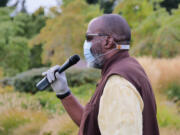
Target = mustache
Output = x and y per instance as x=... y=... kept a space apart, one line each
x=96 y=48
x=96 y=52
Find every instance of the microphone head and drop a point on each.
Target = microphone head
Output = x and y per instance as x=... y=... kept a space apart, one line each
x=74 y=59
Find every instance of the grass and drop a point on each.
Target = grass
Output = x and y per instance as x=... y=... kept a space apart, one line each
x=167 y=117
x=49 y=102
x=39 y=114
x=11 y=120
x=43 y=114
x=165 y=78
x=161 y=71
x=14 y=119
x=173 y=91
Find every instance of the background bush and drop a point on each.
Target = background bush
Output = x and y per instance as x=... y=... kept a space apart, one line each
x=78 y=77
x=26 y=81
x=173 y=91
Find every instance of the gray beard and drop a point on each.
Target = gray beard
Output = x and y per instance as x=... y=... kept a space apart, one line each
x=99 y=60
x=97 y=63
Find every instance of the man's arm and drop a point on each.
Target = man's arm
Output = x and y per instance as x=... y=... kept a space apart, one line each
x=73 y=108
x=59 y=85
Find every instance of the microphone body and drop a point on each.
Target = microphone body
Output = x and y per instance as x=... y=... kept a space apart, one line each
x=44 y=83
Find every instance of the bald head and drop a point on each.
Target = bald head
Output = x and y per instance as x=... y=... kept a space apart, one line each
x=113 y=25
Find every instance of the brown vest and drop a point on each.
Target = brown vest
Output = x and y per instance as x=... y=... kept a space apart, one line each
x=124 y=65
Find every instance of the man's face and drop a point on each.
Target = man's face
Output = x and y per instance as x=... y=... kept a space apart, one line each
x=97 y=48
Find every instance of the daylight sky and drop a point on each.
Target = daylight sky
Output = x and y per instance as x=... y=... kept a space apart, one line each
x=33 y=5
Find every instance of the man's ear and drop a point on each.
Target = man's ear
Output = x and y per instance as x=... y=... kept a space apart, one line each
x=109 y=43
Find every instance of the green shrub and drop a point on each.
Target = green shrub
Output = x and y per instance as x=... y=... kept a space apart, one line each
x=21 y=122
x=52 y=104
x=173 y=91
x=167 y=118
x=15 y=54
x=49 y=102
x=68 y=132
x=84 y=92
x=10 y=121
x=78 y=77
x=26 y=81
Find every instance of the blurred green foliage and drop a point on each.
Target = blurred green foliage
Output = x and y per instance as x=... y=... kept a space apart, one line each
x=170 y=4
x=107 y=5
x=64 y=35
x=134 y=11
x=14 y=37
x=26 y=81
x=167 y=118
x=35 y=59
x=173 y=91
x=49 y=102
x=92 y=1
x=84 y=91
x=13 y=119
x=3 y=3
x=154 y=31
x=10 y=122
x=78 y=77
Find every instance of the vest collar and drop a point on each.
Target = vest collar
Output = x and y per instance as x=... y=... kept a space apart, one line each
x=116 y=57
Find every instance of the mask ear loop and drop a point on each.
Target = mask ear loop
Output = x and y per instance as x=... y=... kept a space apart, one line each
x=118 y=47
x=104 y=54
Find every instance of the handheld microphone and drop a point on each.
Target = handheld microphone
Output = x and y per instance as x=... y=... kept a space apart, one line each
x=44 y=83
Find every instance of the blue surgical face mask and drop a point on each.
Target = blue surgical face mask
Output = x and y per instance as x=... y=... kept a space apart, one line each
x=87 y=52
x=93 y=61
x=97 y=61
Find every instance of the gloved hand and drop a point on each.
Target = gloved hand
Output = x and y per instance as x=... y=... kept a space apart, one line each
x=58 y=80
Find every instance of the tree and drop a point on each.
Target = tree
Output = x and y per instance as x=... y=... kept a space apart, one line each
x=92 y=1
x=3 y=3
x=15 y=54
x=170 y=4
x=29 y=25
x=12 y=48
x=154 y=32
x=107 y=5
x=35 y=59
x=157 y=35
x=167 y=41
x=64 y=35
x=134 y=11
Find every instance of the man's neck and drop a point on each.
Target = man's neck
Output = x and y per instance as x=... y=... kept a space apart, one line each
x=120 y=54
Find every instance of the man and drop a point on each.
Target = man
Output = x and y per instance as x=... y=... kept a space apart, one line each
x=123 y=103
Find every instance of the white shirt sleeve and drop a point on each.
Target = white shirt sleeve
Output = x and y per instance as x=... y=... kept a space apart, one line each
x=120 y=110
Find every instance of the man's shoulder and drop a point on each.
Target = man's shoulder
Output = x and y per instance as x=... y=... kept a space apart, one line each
x=119 y=85
x=116 y=79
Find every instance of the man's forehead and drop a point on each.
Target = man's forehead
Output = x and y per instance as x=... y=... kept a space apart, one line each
x=94 y=25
